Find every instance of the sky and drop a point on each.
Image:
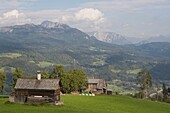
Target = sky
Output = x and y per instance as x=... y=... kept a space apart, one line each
x=132 y=18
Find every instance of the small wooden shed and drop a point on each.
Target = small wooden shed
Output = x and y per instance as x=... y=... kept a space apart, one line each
x=97 y=86
x=37 y=90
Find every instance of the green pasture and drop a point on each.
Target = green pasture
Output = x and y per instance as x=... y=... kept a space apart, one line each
x=115 y=71
x=45 y=64
x=89 y=104
x=135 y=71
x=10 y=55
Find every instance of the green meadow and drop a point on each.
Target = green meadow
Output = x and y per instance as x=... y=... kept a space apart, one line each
x=135 y=71
x=10 y=55
x=45 y=64
x=89 y=104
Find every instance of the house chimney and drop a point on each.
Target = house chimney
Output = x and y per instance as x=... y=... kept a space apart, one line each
x=38 y=75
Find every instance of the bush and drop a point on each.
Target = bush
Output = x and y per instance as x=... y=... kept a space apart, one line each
x=8 y=102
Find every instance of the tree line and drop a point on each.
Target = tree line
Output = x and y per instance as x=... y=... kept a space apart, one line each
x=18 y=73
x=144 y=81
x=70 y=81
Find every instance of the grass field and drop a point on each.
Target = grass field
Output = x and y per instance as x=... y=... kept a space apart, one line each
x=135 y=71
x=45 y=64
x=115 y=71
x=10 y=55
x=86 y=104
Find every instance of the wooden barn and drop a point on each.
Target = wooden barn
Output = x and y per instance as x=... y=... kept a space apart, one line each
x=97 y=86
x=37 y=90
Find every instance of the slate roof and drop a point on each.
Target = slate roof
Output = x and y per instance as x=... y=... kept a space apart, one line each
x=43 y=84
x=93 y=81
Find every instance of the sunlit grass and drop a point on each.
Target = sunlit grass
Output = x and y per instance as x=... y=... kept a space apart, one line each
x=135 y=71
x=89 y=104
x=10 y=55
x=45 y=64
x=115 y=71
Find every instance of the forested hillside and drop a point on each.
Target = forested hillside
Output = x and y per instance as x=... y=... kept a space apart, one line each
x=39 y=47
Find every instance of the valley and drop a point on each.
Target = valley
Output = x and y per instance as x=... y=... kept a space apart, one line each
x=39 y=47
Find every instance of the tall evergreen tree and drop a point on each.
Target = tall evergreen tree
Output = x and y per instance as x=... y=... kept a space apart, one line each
x=2 y=81
x=144 y=79
x=165 y=92
x=18 y=73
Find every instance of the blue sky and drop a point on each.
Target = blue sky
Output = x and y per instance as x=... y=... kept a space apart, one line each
x=132 y=18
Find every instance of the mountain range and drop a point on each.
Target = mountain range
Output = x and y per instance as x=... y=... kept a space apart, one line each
x=114 y=38
x=160 y=38
x=110 y=37
x=39 y=47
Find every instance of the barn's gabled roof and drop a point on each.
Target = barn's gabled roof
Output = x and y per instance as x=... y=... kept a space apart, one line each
x=43 y=84
x=93 y=81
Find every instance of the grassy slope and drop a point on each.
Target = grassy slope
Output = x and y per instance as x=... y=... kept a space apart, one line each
x=10 y=55
x=97 y=104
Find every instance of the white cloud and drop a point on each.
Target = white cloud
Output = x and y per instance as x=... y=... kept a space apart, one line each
x=89 y=14
x=13 y=17
x=66 y=18
x=86 y=19
x=14 y=13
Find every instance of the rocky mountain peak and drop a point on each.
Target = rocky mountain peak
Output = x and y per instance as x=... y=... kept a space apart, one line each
x=49 y=24
x=110 y=37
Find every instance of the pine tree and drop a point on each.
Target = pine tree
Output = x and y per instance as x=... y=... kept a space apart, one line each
x=165 y=93
x=144 y=79
x=18 y=73
x=2 y=81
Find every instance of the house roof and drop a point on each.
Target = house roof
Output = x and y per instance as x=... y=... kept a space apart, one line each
x=43 y=84
x=93 y=81
x=100 y=83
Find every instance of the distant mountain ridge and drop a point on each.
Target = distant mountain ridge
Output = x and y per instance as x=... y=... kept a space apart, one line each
x=53 y=30
x=160 y=38
x=110 y=37
x=44 y=26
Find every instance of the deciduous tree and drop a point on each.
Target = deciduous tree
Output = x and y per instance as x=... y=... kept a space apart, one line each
x=58 y=70
x=45 y=74
x=74 y=80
